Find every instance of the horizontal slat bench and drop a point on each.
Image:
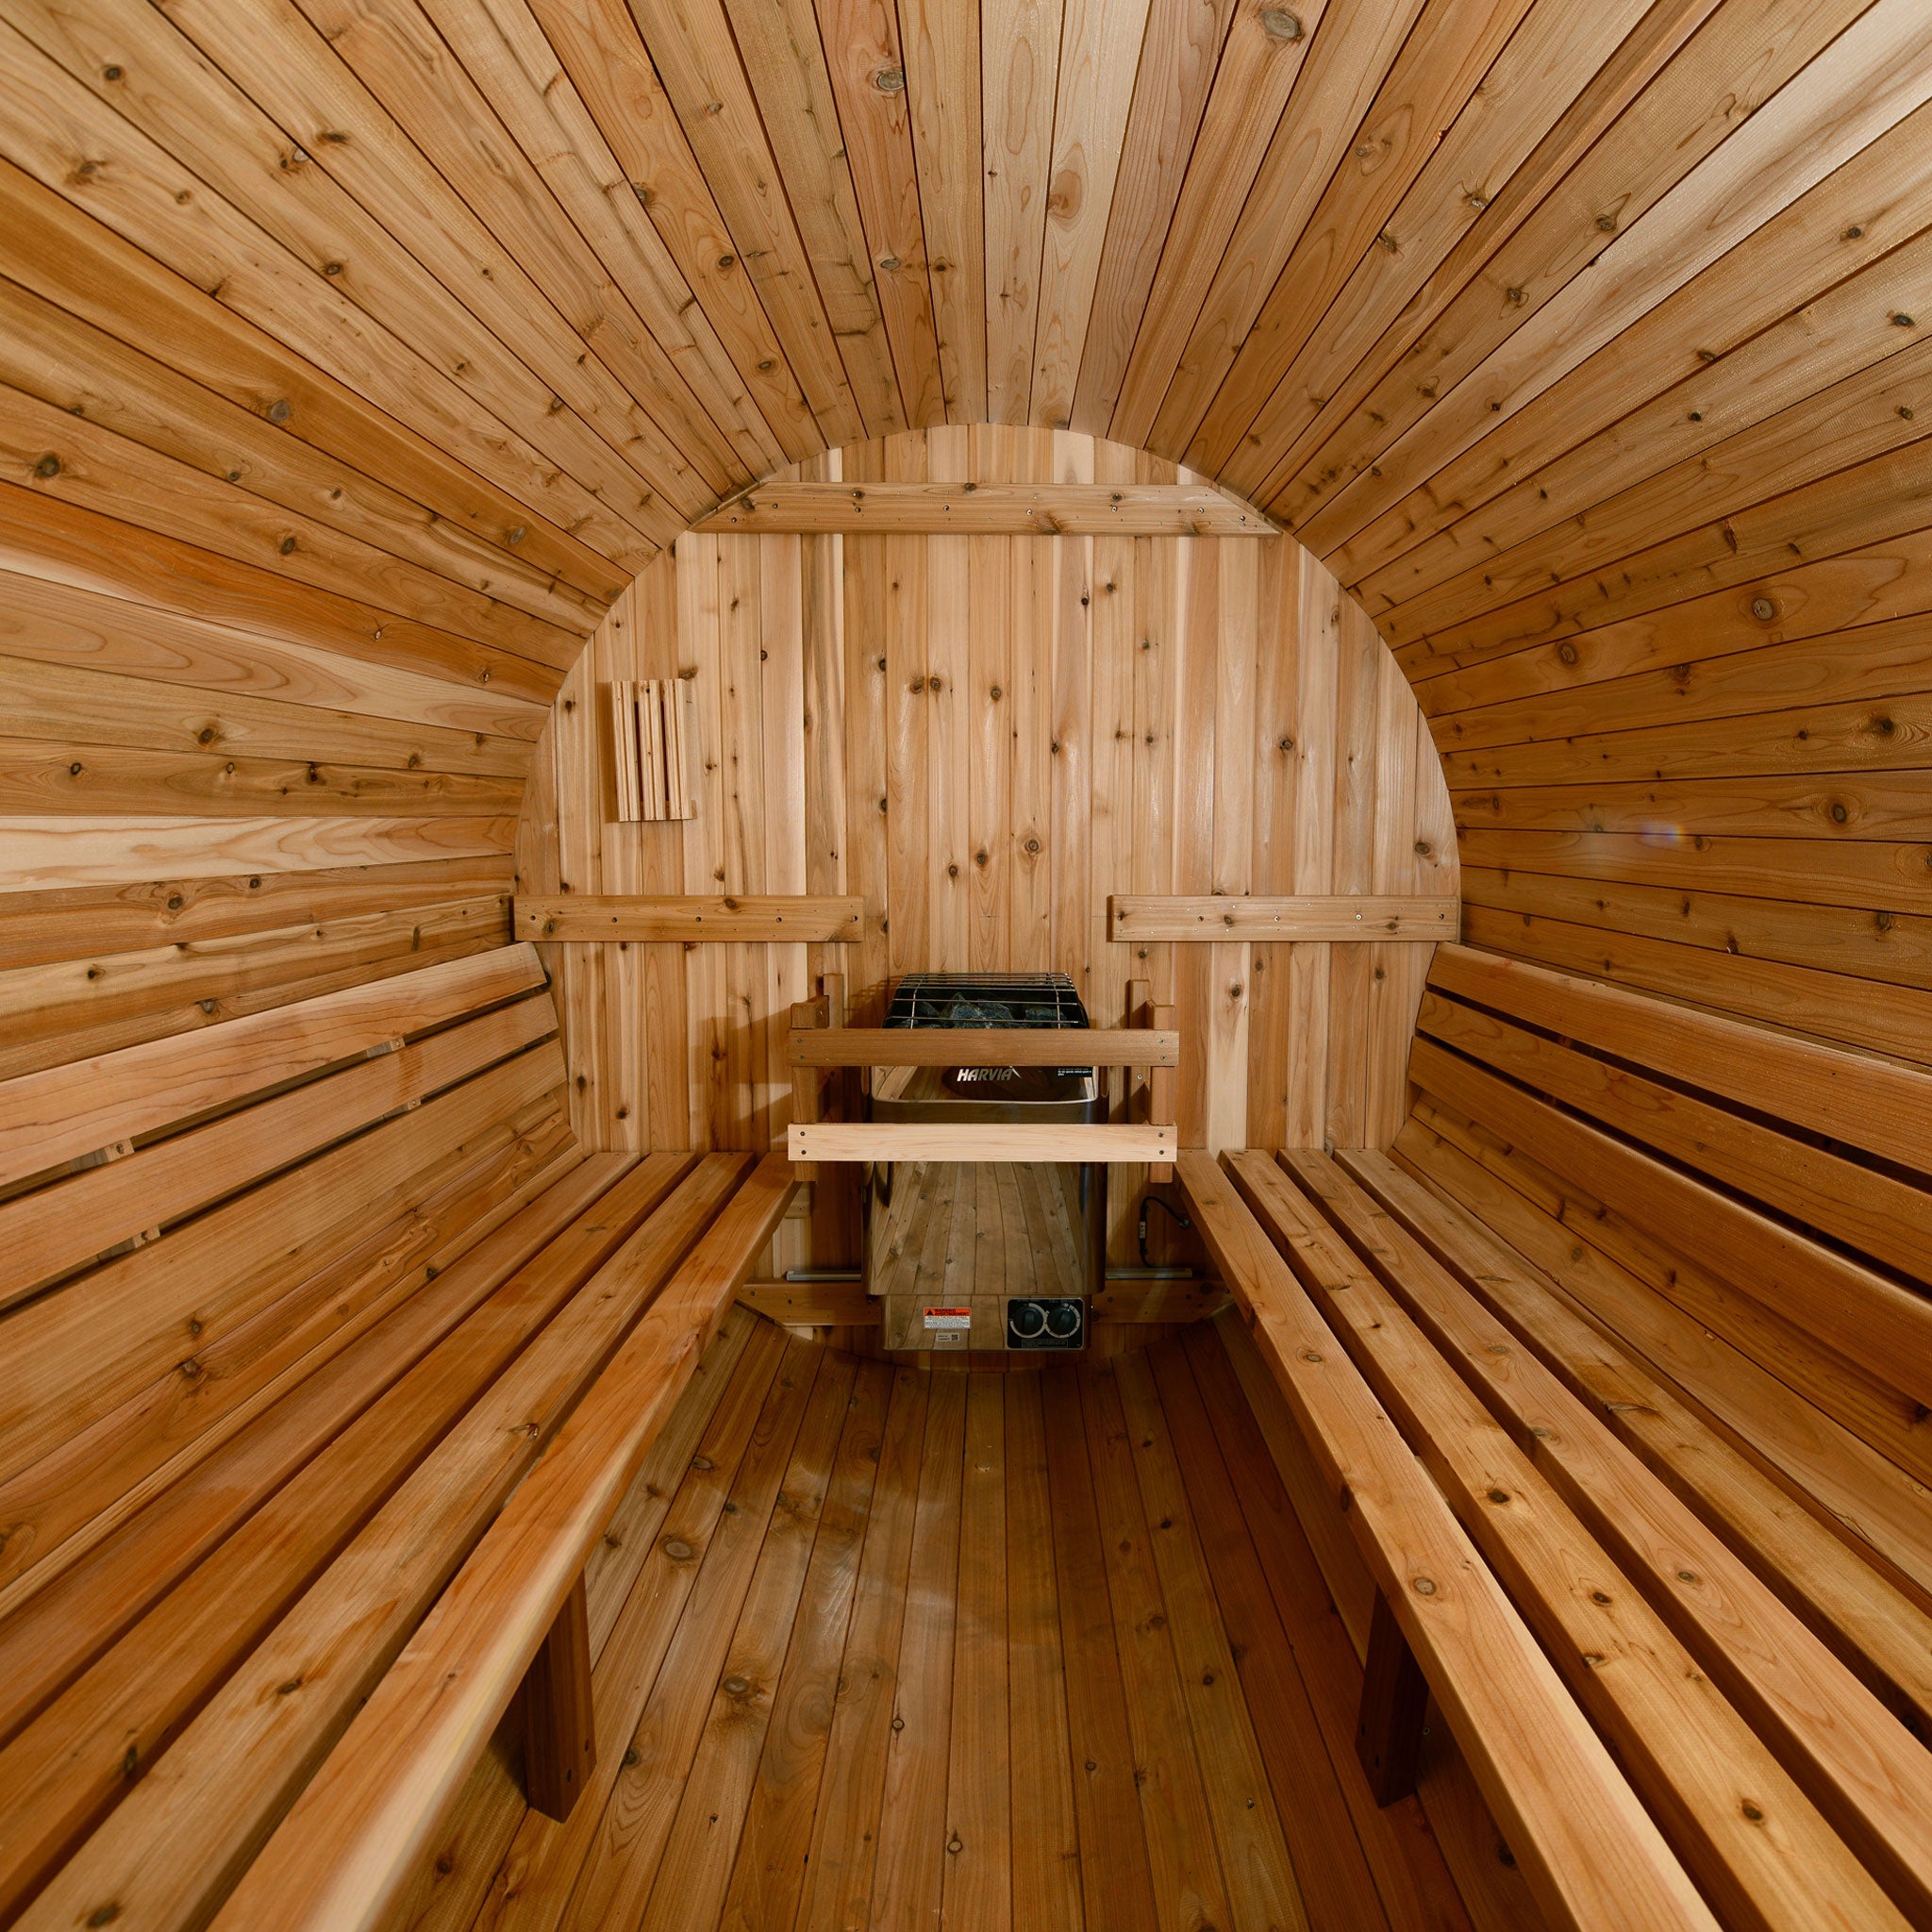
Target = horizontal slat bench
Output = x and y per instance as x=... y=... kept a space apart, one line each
x=359 y=1830
x=184 y=1833
x=1621 y=1525
x=1591 y=1853
x=264 y=1438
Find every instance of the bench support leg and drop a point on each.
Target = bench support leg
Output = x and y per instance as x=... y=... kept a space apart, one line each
x=560 y=1740
x=1395 y=1698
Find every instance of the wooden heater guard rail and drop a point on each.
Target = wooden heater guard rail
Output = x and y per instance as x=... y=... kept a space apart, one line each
x=820 y=1040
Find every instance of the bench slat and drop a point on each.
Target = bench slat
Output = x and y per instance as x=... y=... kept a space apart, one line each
x=1856 y=1761
x=90 y=1486
x=70 y=1758
x=1593 y=1855
x=353 y=1837
x=1756 y=1846
x=210 y=1800
x=110 y=1333
x=57 y=1116
x=50 y=1639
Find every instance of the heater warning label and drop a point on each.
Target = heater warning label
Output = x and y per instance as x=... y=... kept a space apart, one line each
x=949 y=1318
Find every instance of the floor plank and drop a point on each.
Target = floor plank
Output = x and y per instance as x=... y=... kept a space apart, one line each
x=892 y=1647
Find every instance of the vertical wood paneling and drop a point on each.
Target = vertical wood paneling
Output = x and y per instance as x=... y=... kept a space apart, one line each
x=901 y=624
x=985 y=737
x=949 y=680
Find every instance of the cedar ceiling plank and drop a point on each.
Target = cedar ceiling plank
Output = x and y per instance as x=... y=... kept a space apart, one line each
x=56 y=452
x=236 y=155
x=414 y=121
x=1839 y=387
x=1255 y=168
x=66 y=255
x=1866 y=81
x=556 y=226
x=1179 y=50
x=75 y=547
x=1100 y=47
x=1021 y=44
x=1444 y=235
x=1874 y=502
x=1363 y=172
x=725 y=345
x=597 y=79
x=941 y=41
x=1686 y=109
x=785 y=65
x=75 y=439
x=274 y=287
x=867 y=68
x=1807 y=300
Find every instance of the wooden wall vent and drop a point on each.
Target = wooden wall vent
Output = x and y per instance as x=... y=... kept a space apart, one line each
x=653 y=737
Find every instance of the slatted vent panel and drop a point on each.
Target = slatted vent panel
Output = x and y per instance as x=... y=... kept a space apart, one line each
x=652 y=730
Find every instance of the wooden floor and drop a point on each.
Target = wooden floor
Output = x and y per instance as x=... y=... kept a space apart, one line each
x=877 y=1647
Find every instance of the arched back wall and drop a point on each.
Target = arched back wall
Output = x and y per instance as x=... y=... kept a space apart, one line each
x=358 y=354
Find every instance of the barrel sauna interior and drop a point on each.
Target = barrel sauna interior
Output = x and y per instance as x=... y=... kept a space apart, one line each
x=553 y=553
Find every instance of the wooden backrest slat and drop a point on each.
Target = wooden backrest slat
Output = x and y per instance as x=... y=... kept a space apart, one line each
x=1880 y=1213
x=58 y=1228
x=1593 y=1857
x=86 y=1487
x=351 y=1839
x=1882 y=1105
x=1853 y=1757
x=1879 y=1326
x=67 y=1111
x=175 y=1841
x=110 y=1333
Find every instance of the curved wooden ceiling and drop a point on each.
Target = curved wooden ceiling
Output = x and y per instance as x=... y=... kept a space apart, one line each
x=384 y=341
x=1441 y=282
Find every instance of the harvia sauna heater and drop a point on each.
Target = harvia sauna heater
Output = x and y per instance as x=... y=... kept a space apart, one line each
x=995 y=1255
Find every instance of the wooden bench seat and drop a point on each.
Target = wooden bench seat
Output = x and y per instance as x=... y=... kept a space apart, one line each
x=1591 y=1853
x=302 y=1668
x=292 y=1496
x=1790 y=1791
